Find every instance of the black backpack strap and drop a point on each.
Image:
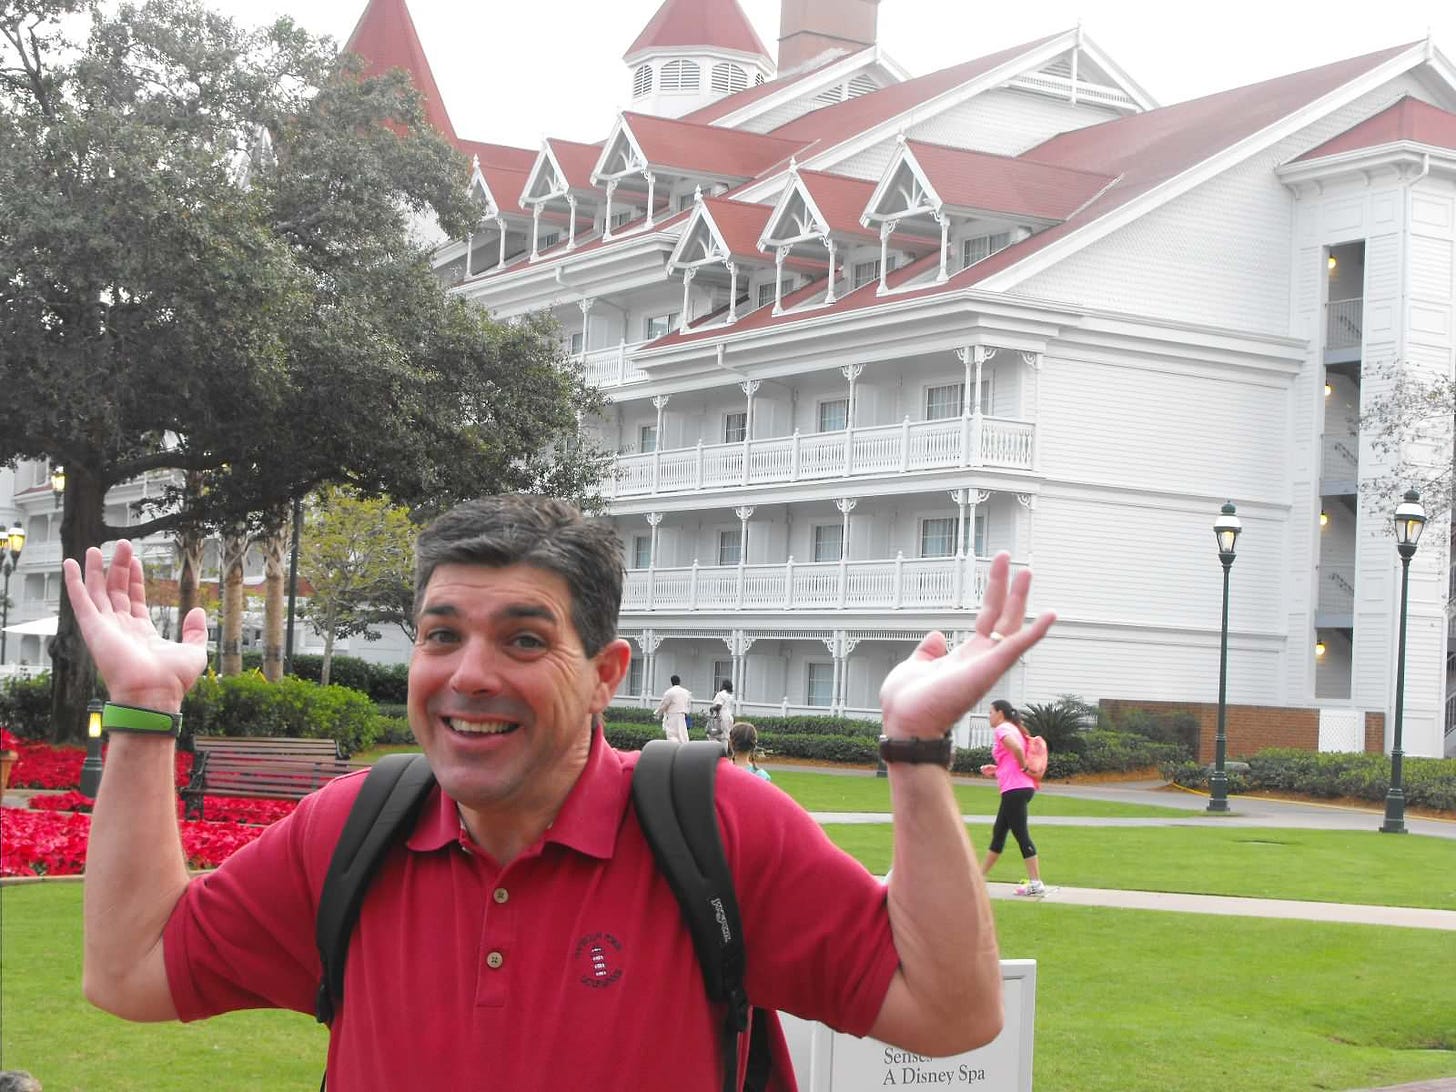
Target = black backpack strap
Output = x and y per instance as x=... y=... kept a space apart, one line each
x=672 y=789
x=387 y=805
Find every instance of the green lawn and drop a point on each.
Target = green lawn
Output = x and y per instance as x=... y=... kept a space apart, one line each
x=1319 y=865
x=1127 y=1001
x=849 y=792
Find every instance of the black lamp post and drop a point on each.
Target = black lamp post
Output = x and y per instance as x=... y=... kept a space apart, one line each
x=1226 y=530
x=91 y=764
x=10 y=547
x=1410 y=521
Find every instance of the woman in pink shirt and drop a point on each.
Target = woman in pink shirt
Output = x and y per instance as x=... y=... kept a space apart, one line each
x=1017 y=788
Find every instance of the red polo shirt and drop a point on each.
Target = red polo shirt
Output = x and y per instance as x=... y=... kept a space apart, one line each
x=570 y=968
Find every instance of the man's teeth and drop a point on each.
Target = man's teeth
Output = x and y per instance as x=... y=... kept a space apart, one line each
x=480 y=728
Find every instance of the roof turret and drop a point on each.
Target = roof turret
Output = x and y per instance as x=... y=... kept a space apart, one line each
x=698 y=24
x=385 y=38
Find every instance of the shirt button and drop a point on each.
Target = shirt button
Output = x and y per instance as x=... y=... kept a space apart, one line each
x=494 y=961
x=500 y=894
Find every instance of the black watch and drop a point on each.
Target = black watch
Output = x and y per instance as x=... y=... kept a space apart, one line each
x=937 y=751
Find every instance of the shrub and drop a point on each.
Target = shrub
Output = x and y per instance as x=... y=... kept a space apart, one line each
x=1427 y=782
x=25 y=706
x=1178 y=727
x=249 y=705
x=851 y=749
x=393 y=731
x=382 y=682
x=969 y=760
x=1060 y=722
x=627 y=736
x=1118 y=752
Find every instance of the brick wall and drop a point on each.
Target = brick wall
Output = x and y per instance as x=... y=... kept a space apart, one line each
x=1249 y=728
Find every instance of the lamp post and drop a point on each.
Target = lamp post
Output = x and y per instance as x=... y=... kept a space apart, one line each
x=58 y=483
x=91 y=764
x=1226 y=531
x=1410 y=521
x=10 y=547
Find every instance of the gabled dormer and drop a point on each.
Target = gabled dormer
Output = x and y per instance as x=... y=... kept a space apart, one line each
x=816 y=221
x=692 y=53
x=559 y=188
x=504 y=230
x=971 y=204
x=719 y=247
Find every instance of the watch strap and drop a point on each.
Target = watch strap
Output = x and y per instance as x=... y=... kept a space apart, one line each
x=116 y=717
x=937 y=751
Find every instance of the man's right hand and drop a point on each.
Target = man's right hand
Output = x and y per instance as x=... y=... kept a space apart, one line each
x=140 y=666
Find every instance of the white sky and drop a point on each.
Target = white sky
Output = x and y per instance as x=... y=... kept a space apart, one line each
x=515 y=73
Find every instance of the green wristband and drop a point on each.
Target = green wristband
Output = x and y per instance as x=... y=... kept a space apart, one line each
x=134 y=718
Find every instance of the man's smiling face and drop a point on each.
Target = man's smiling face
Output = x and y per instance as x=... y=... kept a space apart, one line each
x=501 y=692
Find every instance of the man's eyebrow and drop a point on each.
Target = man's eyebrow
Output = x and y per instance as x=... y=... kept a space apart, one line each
x=514 y=610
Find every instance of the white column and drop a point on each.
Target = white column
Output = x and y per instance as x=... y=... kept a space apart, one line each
x=653 y=520
x=651 y=196
x=743 y=512
x=535 y=230
x=607 y=223
x=502 y=225
x=829 y=296
x=683 y=318
x=944 y=245
x=586 y=306
x=469 y=249
x=851 y=373
x=779 y=254
x=570 y=222
x=732 y=292
x=886 y=227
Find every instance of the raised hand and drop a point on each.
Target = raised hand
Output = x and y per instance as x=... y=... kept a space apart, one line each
x=932 y=689
x=139 y=665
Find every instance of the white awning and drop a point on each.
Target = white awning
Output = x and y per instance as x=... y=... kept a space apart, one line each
x=40 y=627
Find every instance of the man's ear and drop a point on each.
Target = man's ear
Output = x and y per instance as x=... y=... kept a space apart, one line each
x=611 y=665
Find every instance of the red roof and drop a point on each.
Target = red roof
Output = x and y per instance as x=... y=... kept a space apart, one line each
x=831 y=125
x=385 y=38
x=707 y=149
x=842 y=200
x=576 y=161
x=740 y=224
x=680 y=23
x=998 y=183
x=739 y=99
x=498 y=155
x=1409 y=119
x=506 y=186
x=1141 y=151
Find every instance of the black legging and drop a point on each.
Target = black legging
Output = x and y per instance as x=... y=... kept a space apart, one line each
x=1011 y=815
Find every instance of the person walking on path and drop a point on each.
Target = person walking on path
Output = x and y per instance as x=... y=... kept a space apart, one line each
x=720 y=713
x=1008 y=753
x=743 y=748
x=677 y=699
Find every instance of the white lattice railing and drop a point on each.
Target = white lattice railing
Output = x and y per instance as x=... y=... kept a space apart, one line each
x=898 y=583
x=613 y=367
x=857 y=452
x=1343 y=323
x=1337 y=590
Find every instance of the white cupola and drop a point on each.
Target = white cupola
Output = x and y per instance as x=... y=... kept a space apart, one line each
x=692 y=53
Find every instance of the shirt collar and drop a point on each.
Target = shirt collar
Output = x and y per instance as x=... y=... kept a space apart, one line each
x=587 y=822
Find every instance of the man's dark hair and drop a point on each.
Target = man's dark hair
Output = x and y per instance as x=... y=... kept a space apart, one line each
x=676 y=681
x=550 y=534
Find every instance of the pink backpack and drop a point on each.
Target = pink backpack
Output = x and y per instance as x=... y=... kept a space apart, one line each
x=1036 y=758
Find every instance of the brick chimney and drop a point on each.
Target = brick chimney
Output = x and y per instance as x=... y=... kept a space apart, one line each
x=809 y=27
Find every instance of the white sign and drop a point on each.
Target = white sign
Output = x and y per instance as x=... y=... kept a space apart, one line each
x=829 y=1061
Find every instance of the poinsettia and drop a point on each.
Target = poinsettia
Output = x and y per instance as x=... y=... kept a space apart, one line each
x=7 y=741
x=50 y=843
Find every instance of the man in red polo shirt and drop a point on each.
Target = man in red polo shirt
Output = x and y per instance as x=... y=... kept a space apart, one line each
x=521 y=937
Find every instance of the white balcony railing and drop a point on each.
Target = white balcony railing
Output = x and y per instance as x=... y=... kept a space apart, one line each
x=613 y=367
x=857 y=452
x=939 y=583
x=1343 y=323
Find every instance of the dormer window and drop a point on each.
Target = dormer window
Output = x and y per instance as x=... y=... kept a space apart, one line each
x=728 y=78
x=642 y=81
x=983 y=246
x=679 y=76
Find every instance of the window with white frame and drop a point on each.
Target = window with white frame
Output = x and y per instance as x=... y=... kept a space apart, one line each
x=864 y=272
x=550 y=238
x=938 y=536
x=679 y=76
x=634 y=676
x=978 y=247
x=833 y=415
x=829 y=542
x=647 y=439
x=978 y=537
x=622 y=217
x=735 y=427
x=730 y=547
x=728 y=78
x=685 y=200
x=655 y=326
x=641 y=551
x=722 y=669
x=819 y=684
x=944 y=401
x=576 y=343
x=765 y=293
x=642 y=81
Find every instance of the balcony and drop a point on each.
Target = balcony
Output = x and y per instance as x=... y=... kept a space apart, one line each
x=857 y=452
x=1344 y=323
x=937 y=583
x=613 y=367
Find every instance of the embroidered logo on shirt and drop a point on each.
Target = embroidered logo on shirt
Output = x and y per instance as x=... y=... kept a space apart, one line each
x=597 y=956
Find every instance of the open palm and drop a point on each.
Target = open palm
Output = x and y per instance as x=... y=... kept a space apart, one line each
x=137 y=663
x=933 y=688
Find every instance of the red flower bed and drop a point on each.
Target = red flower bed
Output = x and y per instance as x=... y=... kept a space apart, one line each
x=41 y=843
x=219 y=809
x=43 y=766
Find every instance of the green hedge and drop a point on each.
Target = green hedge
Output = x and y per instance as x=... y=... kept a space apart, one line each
x=1427 y=782
x=249 y=705
x=383 y=682
x=25 y=706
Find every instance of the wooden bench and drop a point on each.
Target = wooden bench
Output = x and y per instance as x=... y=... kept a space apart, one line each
x=271 y=767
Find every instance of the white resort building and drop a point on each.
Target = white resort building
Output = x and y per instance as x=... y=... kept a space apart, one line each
x=860 y=330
